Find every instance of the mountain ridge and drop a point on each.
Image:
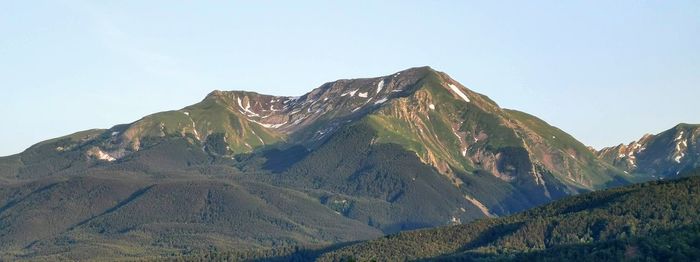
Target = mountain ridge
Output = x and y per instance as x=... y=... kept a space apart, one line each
x=658 y=156
x=409 y=150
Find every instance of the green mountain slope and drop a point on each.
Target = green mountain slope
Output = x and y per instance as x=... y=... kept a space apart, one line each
x=629 y=221
x=462 y=134
x=350 y=160
x=466 y=137
x=452 y=127
x=127 y=215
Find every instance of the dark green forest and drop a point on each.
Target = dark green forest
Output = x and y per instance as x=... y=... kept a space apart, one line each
x=654 y=221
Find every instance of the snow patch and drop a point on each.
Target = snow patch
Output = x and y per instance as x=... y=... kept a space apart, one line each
x=268 y=125
x=246 y=108
x=381 y=101
x=299 y=120
x=351 y=93
x=678 y=158
x=196 y=134
x=681 y=145
x=461 y=142
x=459 y=92
x=680 y=136
x=431 y=106
x=261 y=141
x=479 y=205
x=380 y=86
x=194 y=129
x=363 y=95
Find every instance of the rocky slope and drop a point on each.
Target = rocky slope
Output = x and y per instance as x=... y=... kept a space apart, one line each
x=664 y=155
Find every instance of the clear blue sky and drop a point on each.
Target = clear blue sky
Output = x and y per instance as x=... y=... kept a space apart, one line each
x=605 y=71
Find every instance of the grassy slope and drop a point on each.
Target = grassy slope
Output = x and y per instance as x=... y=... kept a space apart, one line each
x=210 y=117
x=45 y=158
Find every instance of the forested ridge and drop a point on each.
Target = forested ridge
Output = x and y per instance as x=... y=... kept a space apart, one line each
x=655 y=220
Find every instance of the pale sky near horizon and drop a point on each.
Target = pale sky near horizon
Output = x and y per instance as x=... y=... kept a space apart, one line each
x=604 y=71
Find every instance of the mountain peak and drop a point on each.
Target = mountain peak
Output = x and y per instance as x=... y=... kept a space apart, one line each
x=409 y=73
x=658 y=156
x=340 y=99
x=425 y=111
x=686 y=126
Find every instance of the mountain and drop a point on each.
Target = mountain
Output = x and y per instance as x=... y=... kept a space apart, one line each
x=655 y=221
x=664 y=155
x=350 y=160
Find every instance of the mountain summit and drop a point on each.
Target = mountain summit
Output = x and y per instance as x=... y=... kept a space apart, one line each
x=449 y=127
x=350 y=160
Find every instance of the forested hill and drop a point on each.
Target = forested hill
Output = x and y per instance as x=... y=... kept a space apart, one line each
x=656 y=220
